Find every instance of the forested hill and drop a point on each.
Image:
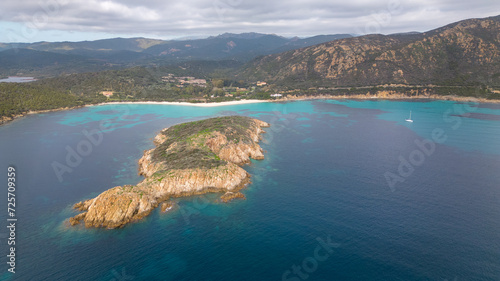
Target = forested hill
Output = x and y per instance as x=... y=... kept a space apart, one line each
x=137 y=83
x=462 y=53
x=43 y=64
x=20 y=98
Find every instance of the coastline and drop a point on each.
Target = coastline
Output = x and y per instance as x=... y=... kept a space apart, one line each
x=4 y=120
x=387 y=97
x=208 y=104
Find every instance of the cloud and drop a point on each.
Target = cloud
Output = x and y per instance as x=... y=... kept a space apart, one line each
x=195 y=17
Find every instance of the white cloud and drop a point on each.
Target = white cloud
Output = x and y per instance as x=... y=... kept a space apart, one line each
x=189 y=17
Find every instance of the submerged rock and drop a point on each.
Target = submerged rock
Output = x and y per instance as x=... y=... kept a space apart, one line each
x=167 y=206
x=228 y=196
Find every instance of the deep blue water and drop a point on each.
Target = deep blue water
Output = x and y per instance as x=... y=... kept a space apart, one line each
x=323 y=179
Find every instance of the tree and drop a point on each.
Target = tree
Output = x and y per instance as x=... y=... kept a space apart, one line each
x=218 y=83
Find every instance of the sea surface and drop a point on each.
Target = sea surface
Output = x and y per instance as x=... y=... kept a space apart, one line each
x=347 y=191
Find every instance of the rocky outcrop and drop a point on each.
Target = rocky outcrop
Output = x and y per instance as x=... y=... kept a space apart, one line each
x=228 y=196
x=76 y=219
x=191 y=158
x=167 y=206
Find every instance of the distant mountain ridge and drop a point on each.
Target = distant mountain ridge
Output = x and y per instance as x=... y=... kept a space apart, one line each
x=246 y=35
x=156 y=46
x=127 y=52
x=113 y=44
x=32 y=62
x=461 y=53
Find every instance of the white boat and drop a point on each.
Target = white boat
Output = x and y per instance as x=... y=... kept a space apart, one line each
x=409 y=119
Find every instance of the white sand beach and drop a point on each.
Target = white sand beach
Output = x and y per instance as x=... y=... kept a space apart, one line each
x=210 y=104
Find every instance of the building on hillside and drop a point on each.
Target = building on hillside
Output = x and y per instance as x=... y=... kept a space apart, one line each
x=107 y=93
x=169 y=78
x=182 y=80
x=196 y=82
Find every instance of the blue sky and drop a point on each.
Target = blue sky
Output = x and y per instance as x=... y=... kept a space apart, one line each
x=79 y=20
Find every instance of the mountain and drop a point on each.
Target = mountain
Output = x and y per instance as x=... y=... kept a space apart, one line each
x=462 y=53
x=128 y=52
x=242 y=47
x=45 y=59
x=119 y=57
x=26 y=61
x=220 y=47
x=247 y=35
x=296 y=43
x=114 y=44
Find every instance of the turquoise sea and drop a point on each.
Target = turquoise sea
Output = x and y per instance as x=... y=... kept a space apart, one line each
x=348 y=191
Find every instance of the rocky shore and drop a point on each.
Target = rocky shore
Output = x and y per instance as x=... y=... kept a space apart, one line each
x=387 y=95
x=190 y=158
x=228 y=196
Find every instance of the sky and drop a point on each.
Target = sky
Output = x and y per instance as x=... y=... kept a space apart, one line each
x=79 y=20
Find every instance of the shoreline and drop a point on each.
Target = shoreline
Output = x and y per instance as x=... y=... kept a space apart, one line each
x=4 y=120
x=208 y=104
x=387 y=97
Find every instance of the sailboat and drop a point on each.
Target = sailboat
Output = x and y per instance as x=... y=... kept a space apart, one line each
x=409 y=119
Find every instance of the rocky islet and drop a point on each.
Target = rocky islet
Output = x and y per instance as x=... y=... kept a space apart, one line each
x=190 y=158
